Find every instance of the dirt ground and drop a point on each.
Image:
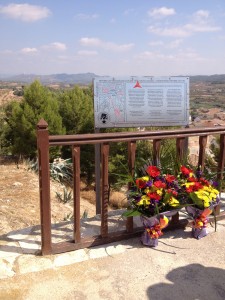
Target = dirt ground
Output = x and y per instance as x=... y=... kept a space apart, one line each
x=19 y=199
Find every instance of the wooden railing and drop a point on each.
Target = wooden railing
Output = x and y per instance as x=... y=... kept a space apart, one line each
x=44 y=141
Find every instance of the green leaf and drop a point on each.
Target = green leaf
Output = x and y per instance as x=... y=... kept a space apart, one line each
x=131 y=213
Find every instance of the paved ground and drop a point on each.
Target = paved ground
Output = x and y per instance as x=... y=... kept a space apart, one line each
x=179 y=268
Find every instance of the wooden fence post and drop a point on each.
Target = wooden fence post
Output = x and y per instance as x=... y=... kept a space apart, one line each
x=44 y=186
x=220 y=169
x=76 y=192
x=105 y=188
x=131 y=162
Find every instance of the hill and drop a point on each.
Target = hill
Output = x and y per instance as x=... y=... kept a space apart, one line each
x=81 y=79
x=87 y=78
x=19 y=200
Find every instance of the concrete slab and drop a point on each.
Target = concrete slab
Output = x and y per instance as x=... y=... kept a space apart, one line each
x=181 y=267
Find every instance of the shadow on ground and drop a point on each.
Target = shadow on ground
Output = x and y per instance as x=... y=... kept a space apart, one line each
x=191 y=282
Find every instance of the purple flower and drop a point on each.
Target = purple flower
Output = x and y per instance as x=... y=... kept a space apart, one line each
x=149 y=183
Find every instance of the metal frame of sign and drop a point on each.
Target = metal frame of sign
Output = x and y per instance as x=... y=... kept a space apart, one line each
x=141 y=101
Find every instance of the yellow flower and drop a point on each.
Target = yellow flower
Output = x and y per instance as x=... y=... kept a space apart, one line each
x=204 y=196
x=145 y=200
x=147 y=190
x=159 y=192
x=188 y=184
x=212 y=192
x=173 y=202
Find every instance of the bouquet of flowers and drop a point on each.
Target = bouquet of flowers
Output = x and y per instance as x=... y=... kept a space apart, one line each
x=202 y=195
x=154 y=196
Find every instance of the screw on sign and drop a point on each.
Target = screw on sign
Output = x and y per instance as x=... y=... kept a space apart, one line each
x=104 y=117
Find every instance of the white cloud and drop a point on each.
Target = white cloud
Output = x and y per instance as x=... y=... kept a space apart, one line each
x=154 y=55
x=96 y=42
x=201 y=28
x=172 y=45
x=86 y=16
x=29 y=50
x=172 y=31
x=175 y=44
x=161 y=12
x=200 y=22
x=25 y=12
x=87 y=53
x=90 y=42
x=187 y=54
x=55 y=46
x=156 y=43
x=201 y=14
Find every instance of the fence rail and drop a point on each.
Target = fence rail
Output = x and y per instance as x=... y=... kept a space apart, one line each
x=44 y=141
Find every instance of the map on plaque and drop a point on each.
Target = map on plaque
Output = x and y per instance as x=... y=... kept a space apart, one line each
x=141 y=101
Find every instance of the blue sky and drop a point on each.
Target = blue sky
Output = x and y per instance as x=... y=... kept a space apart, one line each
x=117 y=38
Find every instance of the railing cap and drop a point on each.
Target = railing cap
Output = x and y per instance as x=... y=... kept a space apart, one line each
x=42 y=124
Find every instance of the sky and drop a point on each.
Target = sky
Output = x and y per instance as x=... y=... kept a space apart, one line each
x=114 y=38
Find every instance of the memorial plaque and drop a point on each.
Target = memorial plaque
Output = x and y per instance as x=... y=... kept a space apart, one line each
x=141 y=101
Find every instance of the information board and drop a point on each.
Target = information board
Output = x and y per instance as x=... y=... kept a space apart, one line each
x=141 y=101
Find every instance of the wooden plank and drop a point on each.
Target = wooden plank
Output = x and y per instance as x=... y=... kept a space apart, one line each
x=131 y=165
x=130 y=136
x=44 y=186
x=156 y=151
x=76 y=192
x=221 y=163
x=180 y=145
x=202 y=149
x=105 y=188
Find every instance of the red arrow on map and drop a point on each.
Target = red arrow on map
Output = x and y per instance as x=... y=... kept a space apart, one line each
x=137 y=85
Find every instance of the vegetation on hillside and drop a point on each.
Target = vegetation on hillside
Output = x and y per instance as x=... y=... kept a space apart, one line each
x=70 y=111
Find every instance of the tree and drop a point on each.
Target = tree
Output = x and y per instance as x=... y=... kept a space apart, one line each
x=76 y=109
x=22 y=118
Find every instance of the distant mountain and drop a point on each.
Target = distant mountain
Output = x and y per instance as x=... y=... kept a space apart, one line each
x=216 y=78
x=87 y=78
x=83 y=78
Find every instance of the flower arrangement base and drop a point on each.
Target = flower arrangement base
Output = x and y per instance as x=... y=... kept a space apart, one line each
x=147 y=241
x=153 y=229
x=199 y=233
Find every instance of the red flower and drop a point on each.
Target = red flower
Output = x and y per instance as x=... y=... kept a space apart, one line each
x=192 y=179
x=204 y=181
x=197 y=186
x=154 y=196
x=190 y=189
x=153 y=171
x=185 y=171
x=159 y=184
x=140 y=183
x=170 y=178
x=174 y=193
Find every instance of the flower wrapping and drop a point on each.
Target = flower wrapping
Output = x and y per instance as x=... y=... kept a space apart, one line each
x=153 y=229
x=200 y=219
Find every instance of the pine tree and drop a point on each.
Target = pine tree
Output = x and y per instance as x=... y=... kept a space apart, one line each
x=22 y=119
